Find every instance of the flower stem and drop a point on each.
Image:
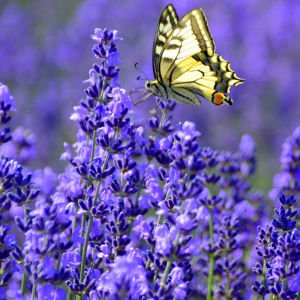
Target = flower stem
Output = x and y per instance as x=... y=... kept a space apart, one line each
x=211 y=259
x=264 y=276
x=167 y=270
x=87 y=236
x=170 y=261
x=69 y=295
x=227 y=281
x=93 y=145
x=83 y=221
x=23 y=287
x=90 y=222
x=33 y=291
x=23 y=281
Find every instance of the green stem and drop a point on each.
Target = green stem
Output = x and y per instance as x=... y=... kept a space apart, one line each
x=70 y=294
x=211 y=259
x=93 y=145
x=210 y=277
x=33 y=291
x=170 y=260
x=83 y=249
x=58 y=262
x=227 y=281
x=83 y=221
x=74 y=222
x=90 y=222
x=87 y=236
x=167 y=270
x=23 y=282
x=88 y=231
x=264 y=276
x=285 y=280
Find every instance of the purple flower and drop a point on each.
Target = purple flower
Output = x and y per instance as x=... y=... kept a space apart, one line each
x=49 y=292
x=6 y=97
x=177 y=279
x=7 y=244
x=6 y=105
x=163 y=238
x=278 y=249
x=22 y=147
x=103 y=36
x=142 y=227
x=288 y=178
x=128 y=274
x=45 y=180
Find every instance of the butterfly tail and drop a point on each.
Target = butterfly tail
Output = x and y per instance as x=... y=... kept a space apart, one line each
x=226 y=76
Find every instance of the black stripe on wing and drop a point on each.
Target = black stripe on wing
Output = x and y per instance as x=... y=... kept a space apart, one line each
x=167 y=22
x=205 y=76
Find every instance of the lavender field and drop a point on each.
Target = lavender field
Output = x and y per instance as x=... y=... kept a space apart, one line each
x=104 y=199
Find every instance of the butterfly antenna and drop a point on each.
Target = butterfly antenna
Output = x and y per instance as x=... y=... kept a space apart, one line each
x=139 y=77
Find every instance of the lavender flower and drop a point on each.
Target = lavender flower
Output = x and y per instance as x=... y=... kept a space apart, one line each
x=278 y=248
x=22 y=146
x=7 y=242
x=6 y=106
x=17 y=190
x=18 y=145
x=127 y=277
x=287 y=181
x=229 y=265
x=103 y=178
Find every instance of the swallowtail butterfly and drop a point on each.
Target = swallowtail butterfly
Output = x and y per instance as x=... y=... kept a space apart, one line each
x=185 y=64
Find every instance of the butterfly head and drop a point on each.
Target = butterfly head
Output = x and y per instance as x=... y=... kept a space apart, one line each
x=153 y=87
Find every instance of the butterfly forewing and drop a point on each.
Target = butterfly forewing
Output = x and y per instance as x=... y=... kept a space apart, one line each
x=167 y=22
x=190 y=37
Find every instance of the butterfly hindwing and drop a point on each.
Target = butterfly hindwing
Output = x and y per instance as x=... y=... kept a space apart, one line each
x=184 y=95
x=204 y=77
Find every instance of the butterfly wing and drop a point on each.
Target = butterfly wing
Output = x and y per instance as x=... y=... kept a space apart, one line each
x=209 y=77
x=190 y=37
x=167 y=22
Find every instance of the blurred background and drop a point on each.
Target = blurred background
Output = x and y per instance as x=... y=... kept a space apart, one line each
x=46 y=53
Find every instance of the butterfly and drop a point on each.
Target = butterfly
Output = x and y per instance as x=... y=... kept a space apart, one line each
x=184 y=61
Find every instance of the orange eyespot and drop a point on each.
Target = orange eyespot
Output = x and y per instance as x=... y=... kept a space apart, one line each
x=218 y=98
